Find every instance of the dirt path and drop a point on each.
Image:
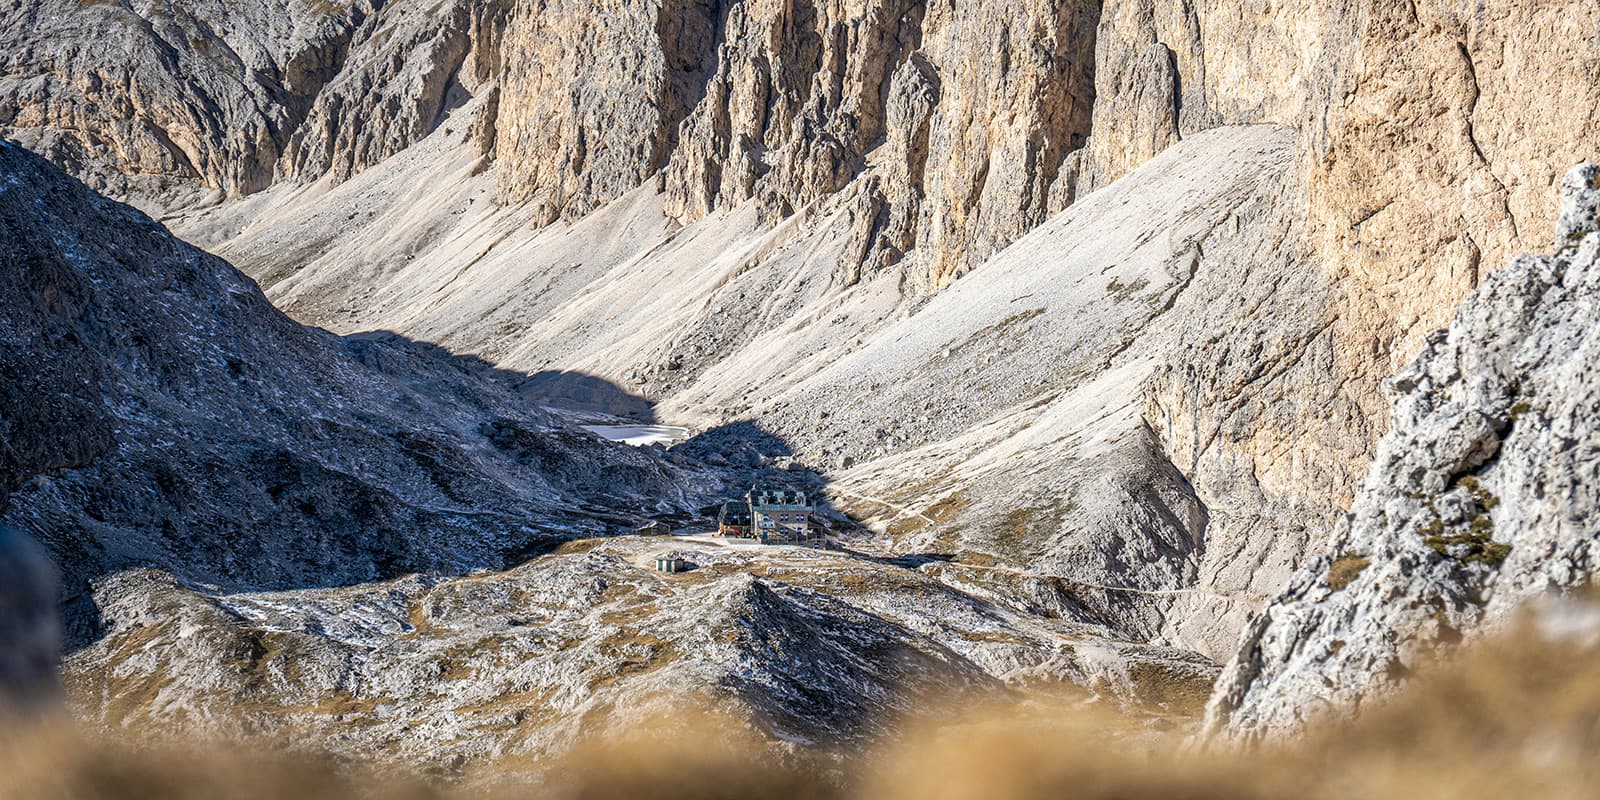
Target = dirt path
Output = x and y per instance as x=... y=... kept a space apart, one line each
x=901 y=510
x=1252 y=599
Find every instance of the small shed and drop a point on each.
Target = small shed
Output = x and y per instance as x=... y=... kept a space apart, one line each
x=656 y=528
x=671 y=564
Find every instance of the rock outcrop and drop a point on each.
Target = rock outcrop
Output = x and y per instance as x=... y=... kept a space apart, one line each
x=160 y=102
x=1482 y=495
x=812 y=650
x=403 y=71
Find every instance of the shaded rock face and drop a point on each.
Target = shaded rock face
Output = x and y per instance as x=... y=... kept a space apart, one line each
x=157 y=410
x=1481 y=496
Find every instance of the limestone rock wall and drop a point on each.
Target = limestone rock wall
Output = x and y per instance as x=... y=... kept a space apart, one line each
x=405 y=71
x=1446 y=132
x=1481 y=497
x=787 y=102
x=1021 y=106
x=156 y=98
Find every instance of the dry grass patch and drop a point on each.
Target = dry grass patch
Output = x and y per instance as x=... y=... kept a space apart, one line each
x=1345 y=569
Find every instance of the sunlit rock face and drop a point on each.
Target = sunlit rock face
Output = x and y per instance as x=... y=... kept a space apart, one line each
x=1481 y=498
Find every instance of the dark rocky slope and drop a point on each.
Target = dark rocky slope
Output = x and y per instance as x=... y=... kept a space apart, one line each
x=156 y=410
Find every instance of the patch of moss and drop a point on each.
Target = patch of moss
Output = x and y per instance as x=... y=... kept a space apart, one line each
x=1492 y=554
x=1345 y=569
x=1519 y=410
x=1486 y=499
x=1471 y=546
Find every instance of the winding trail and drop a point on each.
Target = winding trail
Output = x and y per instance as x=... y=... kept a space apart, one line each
x=902 y=510
x=1254 y=599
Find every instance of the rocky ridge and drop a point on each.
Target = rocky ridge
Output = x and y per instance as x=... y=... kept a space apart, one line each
x=814 y=652
x=1480 y=498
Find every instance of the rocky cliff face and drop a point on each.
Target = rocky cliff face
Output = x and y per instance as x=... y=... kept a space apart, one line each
x=1481 y=497
x=786 y=103
x=162 y=103
x=403 y=70
x=960 y=127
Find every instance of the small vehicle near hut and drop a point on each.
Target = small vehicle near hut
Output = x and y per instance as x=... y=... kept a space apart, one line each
x=734 y=522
